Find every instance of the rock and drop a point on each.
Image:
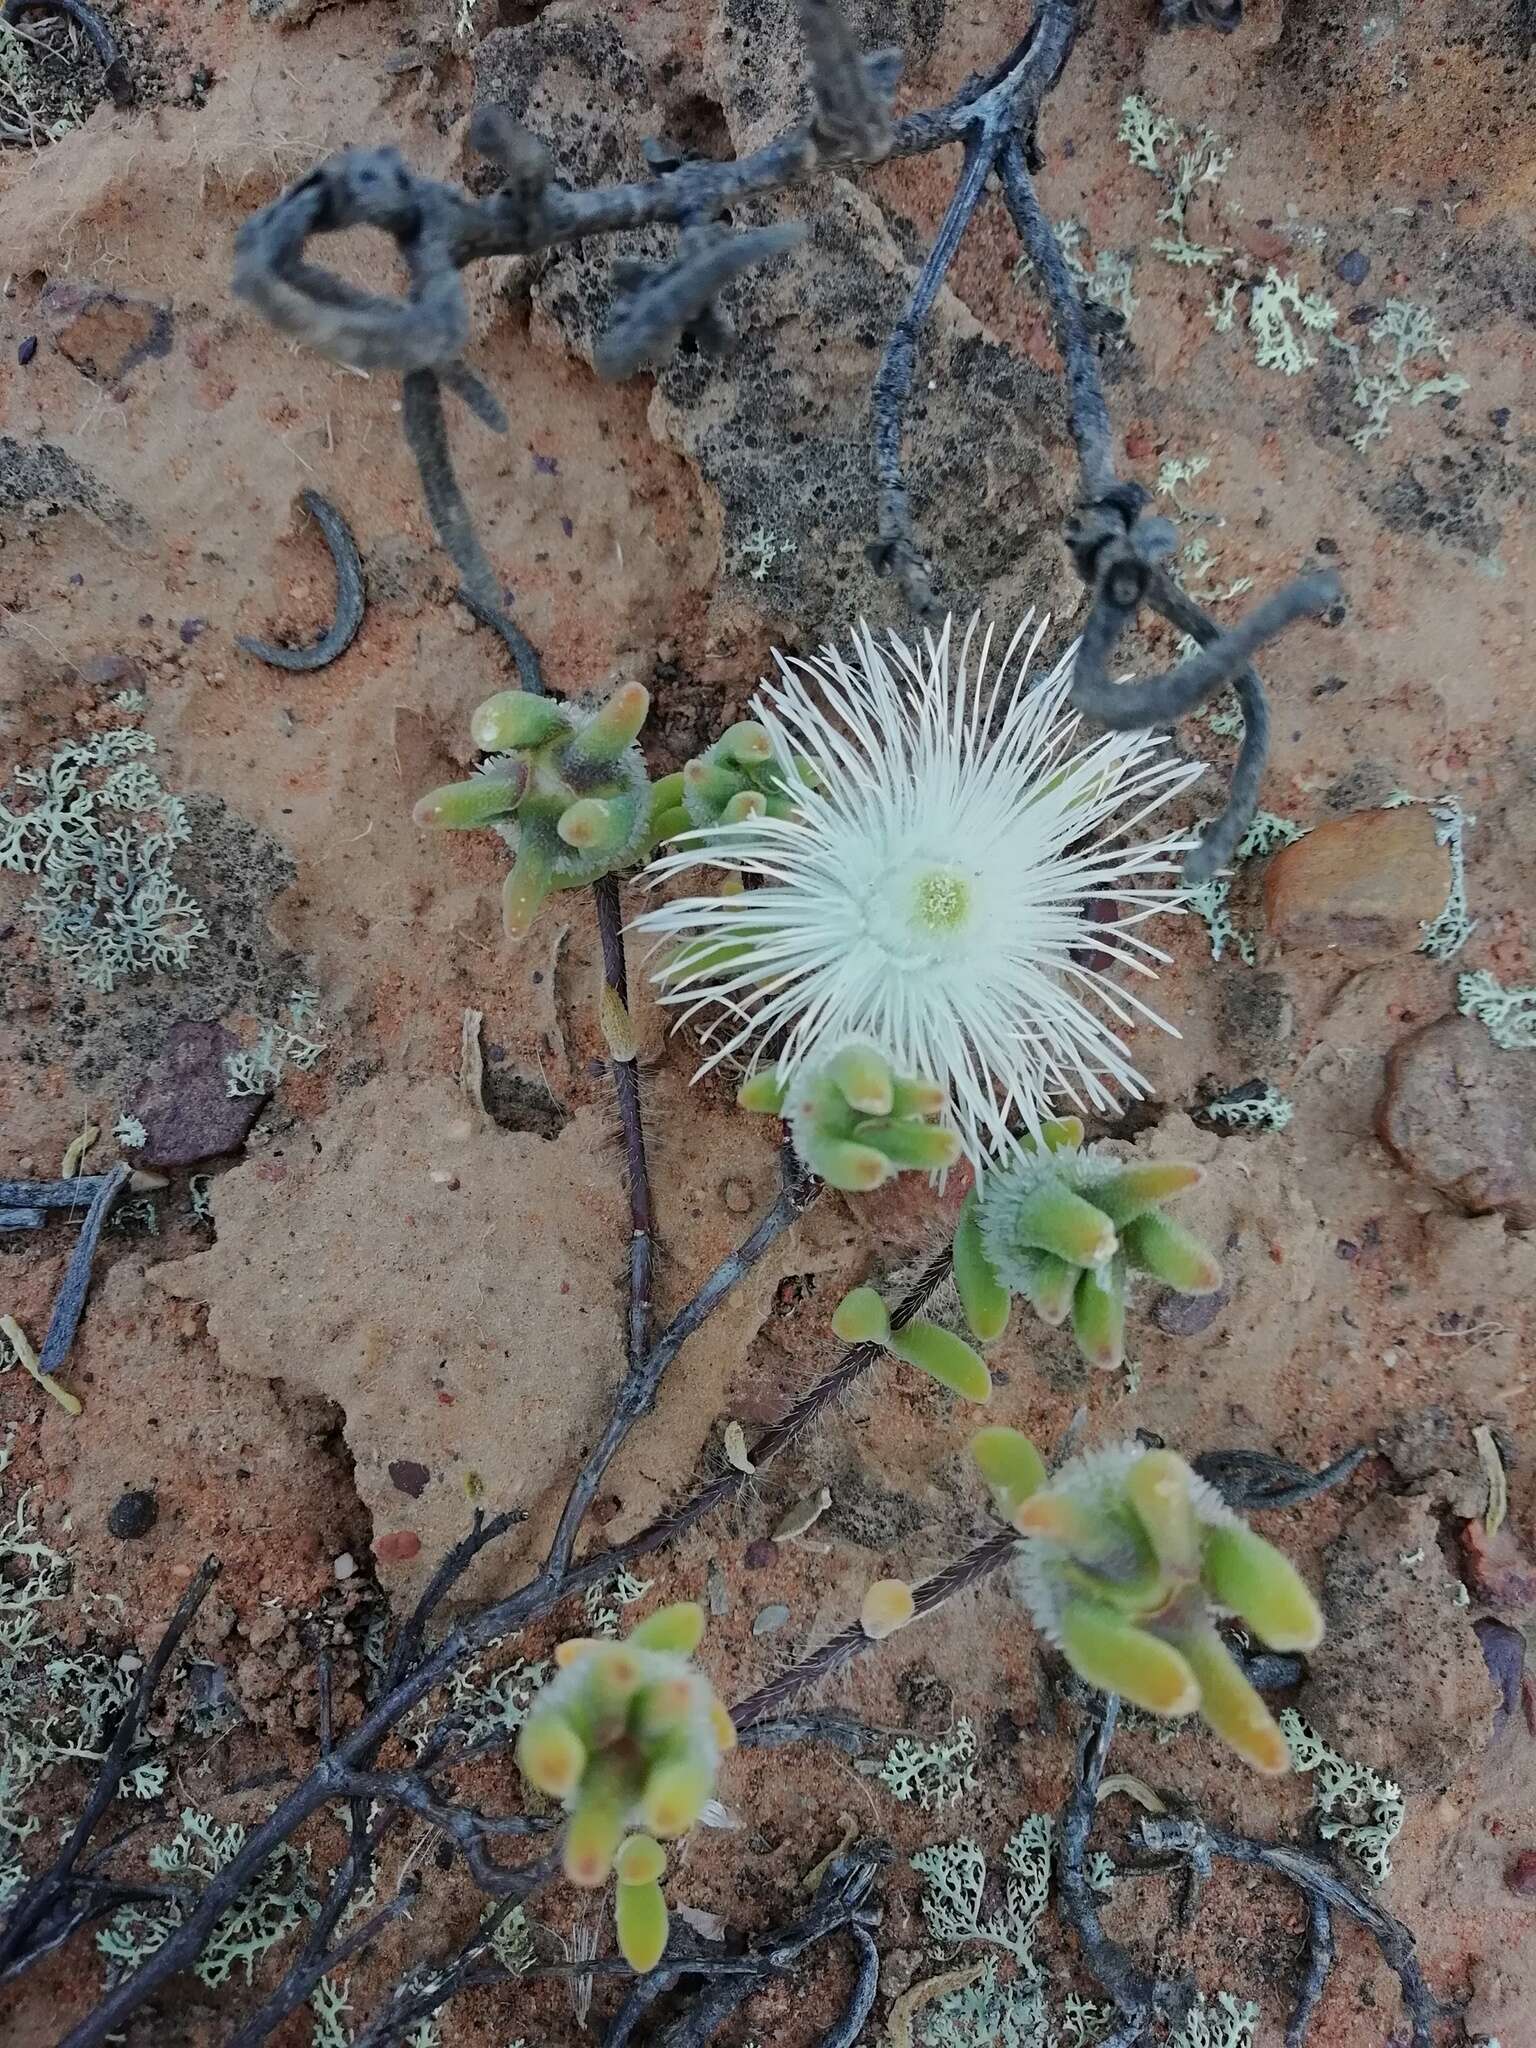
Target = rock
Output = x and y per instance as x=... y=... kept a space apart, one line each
x=1496 y=1570
x=345 y=1566
x=1503 y=1650
x=1399 y=1680
x=769 y=1619
x=1520 y=1878
x=133 y=1514
x=184 y=1102
x=1460 y=1112
x=1362 y=885
x=111 y=672
x=470 y=1336
x=779 y=430
x=104 y=333
x=409 y=1477
x=1186 y=1315
x=38 y=479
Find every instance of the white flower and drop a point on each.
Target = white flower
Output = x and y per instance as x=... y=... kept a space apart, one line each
x=932 y=892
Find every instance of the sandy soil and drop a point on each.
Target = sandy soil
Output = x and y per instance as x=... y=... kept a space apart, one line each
x=283 y=1376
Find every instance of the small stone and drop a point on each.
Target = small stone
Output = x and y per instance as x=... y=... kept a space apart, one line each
x=1364 y=885
x=1355 y=267
x=26 y=350
x=406 y=1476
x=399 y=1546
x=716 y=1591
x=105 y=334
x=767 y=1619
x=344 y=1566
x=759 y=1554
x=184 y=1102
x=133 y=1514
x=1495 y=1570
x=1186 y=1315
x=1504 y=1653
x=737 y=1195
x=111 y=672
x=1520 y=1878
x=1460 y=1113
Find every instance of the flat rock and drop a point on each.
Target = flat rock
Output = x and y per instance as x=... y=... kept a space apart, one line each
x=105 y=334
x=455 y=1290
x=1363 y=885
x=184 y=1102
x=1460 y=1112
x=1399 y=1681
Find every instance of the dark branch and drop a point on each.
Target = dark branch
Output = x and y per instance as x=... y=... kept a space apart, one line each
x=1317 y=1881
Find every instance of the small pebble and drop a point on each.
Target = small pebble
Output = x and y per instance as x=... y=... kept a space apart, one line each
x=768 y=1619
x=738 y=1196
x=345 y=1565
x=717 y=1592
x=133 y=1514
x=1354 y=267
x=1520 y=1877
x=27 y=350
x=759 y=1554
x=1186 y=1315
x=398 y=1546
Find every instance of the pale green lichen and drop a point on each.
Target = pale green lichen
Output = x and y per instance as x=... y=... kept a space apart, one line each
x=1011 y=2012
x=604 y=1600
x=484 y=1703
x=1144 y=132
x=265 y=1913
x=1177 y=470
x=758 y=550
x=1202 y=160
x=1446 y=934
x=935 y=1774
x=97 y=831
x=130 y=1133
x=1265 y=1110
x=1280 y=318
x=329 y=2005
x=1221 y=310
x=199 y=1203
x=257 y=1069
x=1223 y=2024
x=1401 y=334
x=57 y=1705
x=1355 y=1806
x=1211 y=900
x=1108 y=283
x=1509 y=1014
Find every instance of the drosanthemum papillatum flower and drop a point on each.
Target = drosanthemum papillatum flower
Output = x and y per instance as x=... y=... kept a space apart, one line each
x=933 y=891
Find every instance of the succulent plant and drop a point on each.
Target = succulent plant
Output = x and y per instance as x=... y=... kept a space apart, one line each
x=856 y=1122
x=862 y=1318
x=628 y=1737
x=1066 y=1226
x=565 y=787
x=1130 y=1559
x=736 y=778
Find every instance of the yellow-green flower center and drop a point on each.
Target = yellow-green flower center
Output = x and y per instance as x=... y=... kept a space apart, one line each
x=941 y=900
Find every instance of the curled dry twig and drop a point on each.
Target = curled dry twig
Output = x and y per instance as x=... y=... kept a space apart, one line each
x=1115 y=544
x=340 y=634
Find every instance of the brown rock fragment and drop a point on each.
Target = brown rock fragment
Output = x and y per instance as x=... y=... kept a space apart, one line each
x=1362 y=885
x=184 y=1102
x=1460 y=1112
x=105 y=334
